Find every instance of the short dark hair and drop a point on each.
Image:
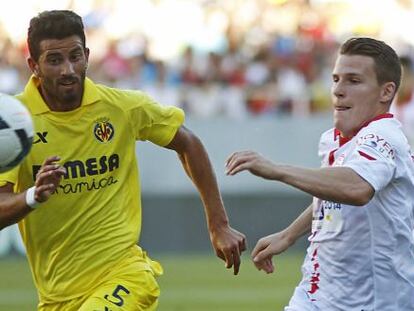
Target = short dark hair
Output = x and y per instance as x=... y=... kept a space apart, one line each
x=386 y=60
x=56 y=24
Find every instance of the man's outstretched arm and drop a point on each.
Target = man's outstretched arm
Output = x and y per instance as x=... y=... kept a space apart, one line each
x=278 y=242
x=227 y=242
x=337 y=184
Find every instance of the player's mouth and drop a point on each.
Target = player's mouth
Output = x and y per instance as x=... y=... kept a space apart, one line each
x=342 y=108
x=68 y=83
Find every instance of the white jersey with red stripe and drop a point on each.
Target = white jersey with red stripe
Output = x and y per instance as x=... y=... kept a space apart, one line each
x=362 y=257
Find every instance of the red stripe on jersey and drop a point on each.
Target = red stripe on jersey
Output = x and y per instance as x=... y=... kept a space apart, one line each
x=332 y=156
x=366 y=155
x=314 y=284
x=342 y=140
x=314 y=280
x=337 y=134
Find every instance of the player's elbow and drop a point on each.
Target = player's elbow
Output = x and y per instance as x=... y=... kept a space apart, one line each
x=184 y=141
x=361 y=201
x=360 y=195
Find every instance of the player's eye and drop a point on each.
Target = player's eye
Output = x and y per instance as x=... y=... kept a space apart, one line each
x=75 y=57
x=54 y=60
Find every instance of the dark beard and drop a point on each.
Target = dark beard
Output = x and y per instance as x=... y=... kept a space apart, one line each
x=70 y=98
x=75 y=96
x=58 y=101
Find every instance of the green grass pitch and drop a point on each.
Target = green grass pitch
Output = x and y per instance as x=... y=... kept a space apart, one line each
x=190 y=282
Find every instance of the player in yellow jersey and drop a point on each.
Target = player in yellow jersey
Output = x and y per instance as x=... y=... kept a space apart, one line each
x=80 y=209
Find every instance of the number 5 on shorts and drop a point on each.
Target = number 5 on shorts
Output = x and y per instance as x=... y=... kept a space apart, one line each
x=116 y=299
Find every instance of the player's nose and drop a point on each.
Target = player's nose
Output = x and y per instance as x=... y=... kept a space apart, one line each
x=67 y=68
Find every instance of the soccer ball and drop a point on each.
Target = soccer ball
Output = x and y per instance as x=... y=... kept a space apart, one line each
x=16 y=132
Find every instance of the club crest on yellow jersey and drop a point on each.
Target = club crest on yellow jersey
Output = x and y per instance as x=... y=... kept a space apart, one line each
x=103 y=130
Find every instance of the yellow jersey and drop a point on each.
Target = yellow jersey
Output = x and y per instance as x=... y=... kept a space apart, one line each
x=93 y=220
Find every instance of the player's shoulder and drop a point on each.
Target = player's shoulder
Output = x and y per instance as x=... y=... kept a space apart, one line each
x=27 y=98
x=385 y=133
x=328 y=135
x=389 y=129
x=125 y=99
x=327 y=142
x=328 y=139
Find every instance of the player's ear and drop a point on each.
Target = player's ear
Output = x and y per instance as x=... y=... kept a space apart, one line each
x=387 y=92
x=87 y=55
x=34 y=67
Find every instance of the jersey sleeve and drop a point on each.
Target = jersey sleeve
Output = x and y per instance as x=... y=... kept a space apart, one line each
x=9 y=176
x=154 y=122
x=374 y=160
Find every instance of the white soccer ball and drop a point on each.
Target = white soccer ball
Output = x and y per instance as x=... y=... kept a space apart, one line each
x=16 y=132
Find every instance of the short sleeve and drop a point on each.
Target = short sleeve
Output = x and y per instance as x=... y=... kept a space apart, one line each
x=374 y=160
x=9 y=176
x=154 y=122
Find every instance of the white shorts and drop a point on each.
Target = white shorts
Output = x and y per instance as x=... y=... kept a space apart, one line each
x=300 y=301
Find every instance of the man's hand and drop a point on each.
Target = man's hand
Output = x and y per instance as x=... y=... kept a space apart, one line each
x=268 y=246
x=228 y=244
x=48 y=178
x=251 y=161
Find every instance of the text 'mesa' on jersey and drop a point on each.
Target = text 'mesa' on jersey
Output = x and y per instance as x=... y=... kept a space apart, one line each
x=94 y=216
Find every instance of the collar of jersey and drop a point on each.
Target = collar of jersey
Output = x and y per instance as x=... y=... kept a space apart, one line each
x=344 y=140
x=38 y=105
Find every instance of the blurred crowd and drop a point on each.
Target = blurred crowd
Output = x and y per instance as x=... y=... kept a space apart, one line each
x=275 y=60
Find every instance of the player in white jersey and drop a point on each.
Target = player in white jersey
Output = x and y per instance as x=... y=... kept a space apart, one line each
x=361 y=253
